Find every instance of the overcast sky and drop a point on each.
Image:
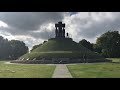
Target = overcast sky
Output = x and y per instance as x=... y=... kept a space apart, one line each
x=35 y=27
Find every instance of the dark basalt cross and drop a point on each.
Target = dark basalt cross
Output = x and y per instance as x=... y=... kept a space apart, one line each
x=60 y=30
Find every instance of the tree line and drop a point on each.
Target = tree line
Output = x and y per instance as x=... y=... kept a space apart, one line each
x=108 y=45
x=11 y=50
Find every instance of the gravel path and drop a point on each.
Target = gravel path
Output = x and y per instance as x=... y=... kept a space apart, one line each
x=61 y=71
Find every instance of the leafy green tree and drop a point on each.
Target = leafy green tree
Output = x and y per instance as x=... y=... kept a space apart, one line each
x=18 y=48
x=86 y=44
x=11 y=49
x=97 y=48
x=35 y=46
x=110 y=44
x=4 y=48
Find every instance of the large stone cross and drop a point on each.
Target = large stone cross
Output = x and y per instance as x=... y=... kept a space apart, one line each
x=60 y=25
x=60 y=31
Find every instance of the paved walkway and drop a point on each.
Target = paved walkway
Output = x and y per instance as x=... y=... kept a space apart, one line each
x=61 y=71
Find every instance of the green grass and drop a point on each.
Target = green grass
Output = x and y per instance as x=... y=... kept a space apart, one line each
x=25 y=70
x=59 y=45
x=61 y=54
x=56 y=48
x=96 y=70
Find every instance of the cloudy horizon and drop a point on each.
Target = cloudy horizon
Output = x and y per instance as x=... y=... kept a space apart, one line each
x=35 y=27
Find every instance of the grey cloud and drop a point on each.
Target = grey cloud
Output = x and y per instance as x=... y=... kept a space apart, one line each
x=96 y=28
x=43 y=35
x=24 y=23
x=29 y=20
x=99 y=28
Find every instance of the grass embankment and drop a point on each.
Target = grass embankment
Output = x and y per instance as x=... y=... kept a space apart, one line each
x=53 y=54
x=25 y=70
x=61 y=49
x=96 y=70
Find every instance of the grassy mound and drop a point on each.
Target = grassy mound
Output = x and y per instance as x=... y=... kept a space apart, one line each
x=59 y=45
x=61 y=48
x=40 y=55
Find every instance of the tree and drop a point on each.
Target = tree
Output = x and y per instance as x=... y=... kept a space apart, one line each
x=110 y=44
x=18 y=48
x=34 y=47
x=44 y=42
x=86 y=44
x=97 y=48
x=4 y=48
x=11 y=49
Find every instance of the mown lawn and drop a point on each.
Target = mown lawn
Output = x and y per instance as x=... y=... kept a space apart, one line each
x=96 y=70
x=25 y=70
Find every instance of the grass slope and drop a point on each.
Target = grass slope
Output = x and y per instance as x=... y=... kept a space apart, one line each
x=25 y=70
x=62 y=48
x=59 y=45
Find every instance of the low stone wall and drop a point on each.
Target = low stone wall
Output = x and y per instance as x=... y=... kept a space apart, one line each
x=60 y=61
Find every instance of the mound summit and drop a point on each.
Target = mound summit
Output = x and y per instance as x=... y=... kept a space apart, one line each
x=60 y=49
